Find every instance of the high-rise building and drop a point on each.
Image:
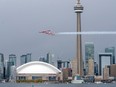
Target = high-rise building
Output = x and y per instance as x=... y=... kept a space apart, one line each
x=104 y=60
x=13 y=73
x=59 y=64
x=42 y=59
x=89 y=54
x=1 y=66
x=105 y=73
x=65 y=64
x=90 y=66
x=74 y=66
x=1 y=57
x=9 y=64
x=12 y=59
x=5 y=65
x=49 y=58
x=25 y=58
x=111 y=50
x=112 y=70
x=95 y=68
x=28 y=59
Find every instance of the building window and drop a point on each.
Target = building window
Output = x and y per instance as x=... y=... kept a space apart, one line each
x=51 y=78
x=36 y=77
x=21 y=78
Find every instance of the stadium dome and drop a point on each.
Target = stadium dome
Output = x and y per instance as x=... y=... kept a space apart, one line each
x=37 y=67
x=38 y=70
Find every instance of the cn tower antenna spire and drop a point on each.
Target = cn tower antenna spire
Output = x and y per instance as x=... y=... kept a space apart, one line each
x=78 y=1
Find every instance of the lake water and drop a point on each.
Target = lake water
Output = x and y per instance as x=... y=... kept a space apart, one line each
x=55 y=85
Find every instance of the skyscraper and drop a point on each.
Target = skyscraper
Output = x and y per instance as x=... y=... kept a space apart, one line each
x=6 y=66
x=25 y=58
x=1 y=66
x=89 y=54
x=95 y=68
x=105 y=73
x=9 y=64
x=111 y=50
x=49 y=58
x=28 y=57
x=78 y=10
x=12 y=59
x=59 y=64
x=63 y=64
x=104 y=60
x=13 y=73
x=90 y=66
x=42 y=59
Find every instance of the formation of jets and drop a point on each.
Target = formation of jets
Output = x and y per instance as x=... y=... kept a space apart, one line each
x=48 y=32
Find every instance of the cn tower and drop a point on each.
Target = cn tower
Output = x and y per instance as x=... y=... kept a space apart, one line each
x=78 y=10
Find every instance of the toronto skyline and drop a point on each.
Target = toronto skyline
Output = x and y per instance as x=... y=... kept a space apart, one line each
x=20 y=22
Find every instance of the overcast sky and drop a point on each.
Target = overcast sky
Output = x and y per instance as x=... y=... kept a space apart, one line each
x=21 y=20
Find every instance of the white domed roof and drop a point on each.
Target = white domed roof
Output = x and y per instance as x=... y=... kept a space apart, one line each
x=37 y=67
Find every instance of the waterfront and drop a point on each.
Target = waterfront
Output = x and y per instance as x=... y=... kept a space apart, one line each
x=56 y=85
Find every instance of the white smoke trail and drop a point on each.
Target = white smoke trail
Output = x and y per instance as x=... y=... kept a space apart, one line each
x=87 y=33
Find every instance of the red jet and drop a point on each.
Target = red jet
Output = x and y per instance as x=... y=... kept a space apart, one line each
x=49 y=32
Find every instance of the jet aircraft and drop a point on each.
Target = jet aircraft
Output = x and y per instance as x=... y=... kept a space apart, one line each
x=48 y=32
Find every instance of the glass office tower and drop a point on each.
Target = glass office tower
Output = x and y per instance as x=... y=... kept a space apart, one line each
x=89 y=54
x=1 y=66
x=12 y=59
x=104 y=60
x=49 y=58
x=111 y=50
x=25 y=58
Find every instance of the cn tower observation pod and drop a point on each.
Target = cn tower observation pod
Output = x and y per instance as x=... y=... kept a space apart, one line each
x=38 y=70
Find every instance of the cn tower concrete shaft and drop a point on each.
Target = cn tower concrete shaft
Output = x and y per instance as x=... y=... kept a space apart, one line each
x=79 y=47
